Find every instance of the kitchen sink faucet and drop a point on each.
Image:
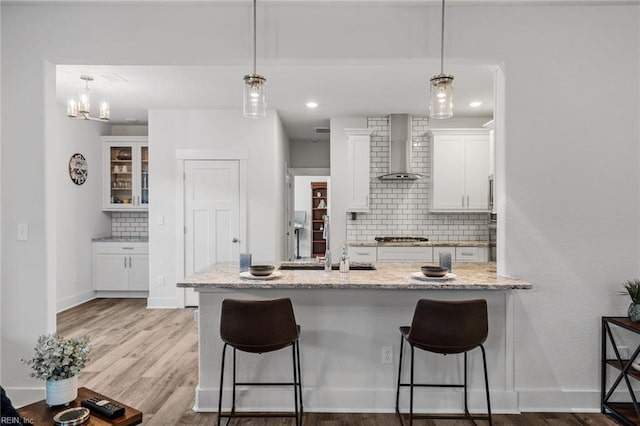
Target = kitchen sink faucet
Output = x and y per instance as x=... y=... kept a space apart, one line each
x=327 y=252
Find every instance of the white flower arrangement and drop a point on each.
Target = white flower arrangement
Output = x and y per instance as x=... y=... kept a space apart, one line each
x=57 y=358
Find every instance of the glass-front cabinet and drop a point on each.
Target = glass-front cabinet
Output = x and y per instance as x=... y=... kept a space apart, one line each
x=126 y=173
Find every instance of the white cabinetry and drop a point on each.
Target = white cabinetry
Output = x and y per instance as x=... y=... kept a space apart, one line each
x=405 y=254
x=358 y=153
x=362 y=254
x=125 y=176
x=463 y=254
x=460 y=170
x=121 y=266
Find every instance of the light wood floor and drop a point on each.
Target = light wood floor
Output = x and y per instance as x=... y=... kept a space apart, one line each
x=148 y=358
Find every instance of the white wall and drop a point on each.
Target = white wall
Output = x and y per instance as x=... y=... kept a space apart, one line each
x=307 y=154
x=571 y=187
x=79 y=209
x=211 y=130
x=303 y=202
x=129 y=130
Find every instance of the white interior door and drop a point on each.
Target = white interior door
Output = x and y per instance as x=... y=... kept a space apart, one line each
x=212 y=208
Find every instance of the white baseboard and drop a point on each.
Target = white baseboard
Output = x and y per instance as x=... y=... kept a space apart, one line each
x=75 y=300
x=357 y=400
x=123 y=294
x=566 y=401
x=24 y=396
x=162 y=303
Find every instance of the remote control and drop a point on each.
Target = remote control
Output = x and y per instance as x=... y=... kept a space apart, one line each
x=99 y=405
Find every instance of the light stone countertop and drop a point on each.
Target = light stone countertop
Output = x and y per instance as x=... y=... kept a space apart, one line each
x=121 y=240
x=373 y=243
x=392 y=276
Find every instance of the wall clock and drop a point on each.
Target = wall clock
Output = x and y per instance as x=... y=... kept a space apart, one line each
x=78 y=169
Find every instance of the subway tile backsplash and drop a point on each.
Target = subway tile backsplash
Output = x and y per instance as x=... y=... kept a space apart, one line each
x=130 y=224
x=401 y=208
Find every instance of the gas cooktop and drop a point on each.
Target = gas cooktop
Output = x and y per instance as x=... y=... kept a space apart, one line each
x=400 y=239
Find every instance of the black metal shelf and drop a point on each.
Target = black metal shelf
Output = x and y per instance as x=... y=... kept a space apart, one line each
x=628 y=413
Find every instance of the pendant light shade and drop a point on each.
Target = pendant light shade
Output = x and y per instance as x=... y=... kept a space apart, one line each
x=255 y=101
x=441 y=93
x=441 y=97
x=255 y=105
x=80 y=106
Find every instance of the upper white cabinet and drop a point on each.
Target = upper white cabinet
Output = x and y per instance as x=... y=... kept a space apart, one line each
x=358 y=152
x=125 y=173
x=460 y=177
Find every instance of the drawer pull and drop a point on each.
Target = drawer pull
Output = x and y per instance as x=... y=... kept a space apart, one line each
x=127 y=248
x=362 y=253
x=466 y=254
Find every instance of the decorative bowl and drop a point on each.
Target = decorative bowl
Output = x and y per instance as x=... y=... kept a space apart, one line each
x=261 y=270
x=434 y=271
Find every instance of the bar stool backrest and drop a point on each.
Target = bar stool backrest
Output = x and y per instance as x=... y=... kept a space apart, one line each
x=449 y=327
x=258 y=326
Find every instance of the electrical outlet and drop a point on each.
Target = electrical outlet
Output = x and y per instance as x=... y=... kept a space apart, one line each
x=161 y=280
x=387 y=355
x=23 y=231
x=624 y=352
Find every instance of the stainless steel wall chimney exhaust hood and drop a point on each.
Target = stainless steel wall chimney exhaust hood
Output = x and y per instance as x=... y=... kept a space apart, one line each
x=400 y=149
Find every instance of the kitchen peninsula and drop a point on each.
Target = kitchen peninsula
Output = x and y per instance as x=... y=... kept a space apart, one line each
x=346 y=320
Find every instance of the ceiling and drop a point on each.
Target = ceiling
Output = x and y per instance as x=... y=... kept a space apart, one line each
x=340 y=90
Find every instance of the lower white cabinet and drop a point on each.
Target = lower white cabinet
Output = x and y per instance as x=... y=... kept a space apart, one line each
x=121 y=266
x=463 y=254
x=405 y=254
x=362 y=254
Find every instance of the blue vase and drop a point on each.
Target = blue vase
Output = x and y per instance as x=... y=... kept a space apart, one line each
x=634 y=312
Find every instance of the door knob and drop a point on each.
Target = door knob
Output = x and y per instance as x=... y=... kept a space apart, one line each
x=235 y=240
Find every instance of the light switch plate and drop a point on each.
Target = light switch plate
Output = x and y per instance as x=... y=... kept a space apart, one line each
x=159 y=220
x=23 y=231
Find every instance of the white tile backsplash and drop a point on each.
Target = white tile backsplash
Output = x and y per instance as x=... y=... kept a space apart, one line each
x=130 y=224
x=401 y=208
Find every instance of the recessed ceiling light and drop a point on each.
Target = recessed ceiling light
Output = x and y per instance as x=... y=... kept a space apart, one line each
x=475 y=104
x=312 y=104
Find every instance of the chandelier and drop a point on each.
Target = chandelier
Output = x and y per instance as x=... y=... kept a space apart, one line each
x=80 y=106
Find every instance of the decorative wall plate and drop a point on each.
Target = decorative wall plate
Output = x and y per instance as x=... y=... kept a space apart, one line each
x=78 y=169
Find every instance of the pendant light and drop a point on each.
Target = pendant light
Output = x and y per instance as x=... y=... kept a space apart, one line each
x=441 y=104
x=80 y=107
x=255 y=105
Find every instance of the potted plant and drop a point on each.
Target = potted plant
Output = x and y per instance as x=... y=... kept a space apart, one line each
x=59 y=361
x=633 y=289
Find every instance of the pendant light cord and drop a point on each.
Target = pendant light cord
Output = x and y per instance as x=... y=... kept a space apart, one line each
x=441 y=42
x=254 y=37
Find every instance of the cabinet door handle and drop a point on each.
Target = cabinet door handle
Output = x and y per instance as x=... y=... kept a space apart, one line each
x=125 y=262
x=360 y=253
x=462 y=200
x=127 y=248
x=467 y=201
x=129 y=261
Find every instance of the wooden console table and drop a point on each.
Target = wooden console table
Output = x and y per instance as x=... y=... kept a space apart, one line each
x=39 y=413
x=627 y=412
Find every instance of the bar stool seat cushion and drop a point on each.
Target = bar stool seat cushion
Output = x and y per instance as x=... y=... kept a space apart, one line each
x=258 y=326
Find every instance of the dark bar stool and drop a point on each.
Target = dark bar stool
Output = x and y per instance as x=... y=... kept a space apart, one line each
x=260 y=326
x=446 y=328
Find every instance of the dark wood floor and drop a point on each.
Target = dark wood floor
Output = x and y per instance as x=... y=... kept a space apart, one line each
x=148 y=358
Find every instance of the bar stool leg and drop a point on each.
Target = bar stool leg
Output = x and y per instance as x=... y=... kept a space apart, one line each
x=295 y=381
x=224 y=349
x=411 y=391
x=466 y=404
x=486 y=384
x=399 y=376
x=299 y=379
x=233 y=401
